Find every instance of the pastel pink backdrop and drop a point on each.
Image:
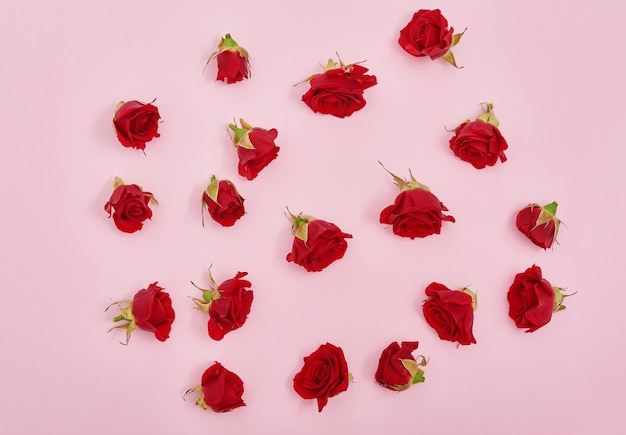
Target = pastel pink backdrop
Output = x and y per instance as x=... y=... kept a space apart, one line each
x=556 y=77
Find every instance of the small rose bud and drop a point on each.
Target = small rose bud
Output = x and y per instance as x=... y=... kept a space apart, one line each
x=233 y=61
x=539 y=224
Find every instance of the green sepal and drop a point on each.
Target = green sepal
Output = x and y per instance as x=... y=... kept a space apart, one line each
x=404 y=184
x=414 y=368
x=120 y=104
x=228 y=42
x=242 y=137
x=213 y=189
x=551 y=208
x=449 y=57
x=558 y=299
x=456 y=38
x=488 y=116
x=473 y=296
x=300 y=225
x=117 y=182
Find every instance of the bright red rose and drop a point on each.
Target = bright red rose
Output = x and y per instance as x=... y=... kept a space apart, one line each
x=539 y=223
x=233 y=61
x=324 y=375
x=397 y=368
x=255 y=148
x=136 y=123
x=221 y=390
x=228 y=304
x=479 y=142
x=450 y=312
x=129 y=206
x=317 y=243
x=532 y=299
x=416 y=212
x=150 y=310
x=338 y=91
x=427 y=34
x=223 y=201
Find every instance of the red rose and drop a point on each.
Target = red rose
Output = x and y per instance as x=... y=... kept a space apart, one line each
x=397 y=368
x=532 y=299
x=416 y=212
x=338 y=91
x=232 y=61
x=324 y=374
x=317 y=243
x=450 y=312
x=539 y=223
x=150 y=310
x=427 y=34
x=228 y=304
x=255 y=148
x=479 y=142
x=136 y=123
x=223 y=202
x=221 y=390
x=129 y=206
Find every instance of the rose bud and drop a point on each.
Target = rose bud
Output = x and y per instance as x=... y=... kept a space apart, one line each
x=324 y=375
x=416 y=212
x=233 y=62
x=316 y=243
x=129 y=206
x=450 y=312
x=338 y=91
x=228 y=304
x=255 y=148
x=539 y=224
x=221 y=390
x=397 y=368
x=223 y=202
x=136 y=123
x=532 y=299
x=479 y=142
x=150 y=310
x=427 y=34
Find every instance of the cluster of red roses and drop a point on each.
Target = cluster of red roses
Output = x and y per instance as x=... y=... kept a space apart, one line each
x=415 y=213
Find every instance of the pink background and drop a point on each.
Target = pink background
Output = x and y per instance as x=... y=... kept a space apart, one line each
x=555 y=73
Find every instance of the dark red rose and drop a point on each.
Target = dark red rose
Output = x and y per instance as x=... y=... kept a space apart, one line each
x=532 y=299
x=136 y=123
x=416 y=212
x=397 y=368
x=317 y=243
x=450 y=312
x=427 y=34
x=478 y=143
x=255 y=148
x=152 y=310
x=221 y=390
x=324 y=374
x=232 y=61
x=338 y=91
x=223 y=201
x=539 y=223
x=129 y=206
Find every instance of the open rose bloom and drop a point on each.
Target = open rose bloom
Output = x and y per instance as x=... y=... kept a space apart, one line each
x=255 y=148
x=129 y=205
x=227 y=304
x=450 y=312
x=338 y=91
x=150 y=310
x=416 y=211
x=427 y=34
x=480 y=142
x=223 y=201
x=324 y=374
x=221 y=390
x=233 y=61
x=397 y=367
x=532 y=299
x=317 y=243
x=136 y=123
x=539 y=223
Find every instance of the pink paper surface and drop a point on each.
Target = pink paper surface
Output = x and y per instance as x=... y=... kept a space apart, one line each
x=555 y=74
